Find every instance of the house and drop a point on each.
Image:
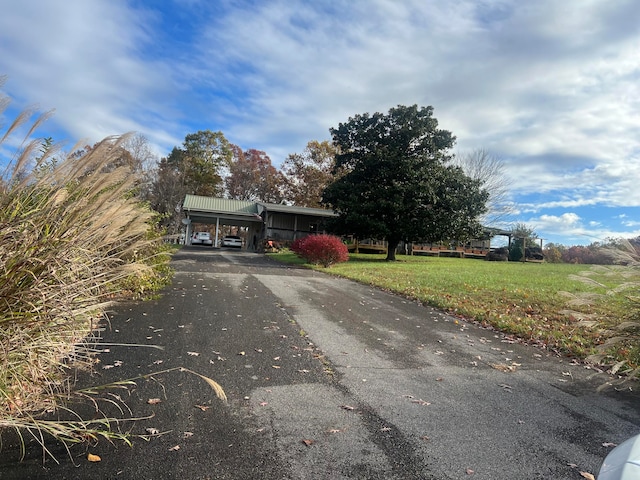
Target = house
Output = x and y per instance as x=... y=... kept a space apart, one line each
x=261 y=221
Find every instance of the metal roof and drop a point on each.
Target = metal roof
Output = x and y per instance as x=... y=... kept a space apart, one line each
x=314 y=212
x=219 y=205
x=224 y=206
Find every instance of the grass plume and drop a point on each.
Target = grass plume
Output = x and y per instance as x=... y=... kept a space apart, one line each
x=74 y=238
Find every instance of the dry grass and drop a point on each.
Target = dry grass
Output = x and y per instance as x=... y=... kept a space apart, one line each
x=73 y=237
x=68 y=235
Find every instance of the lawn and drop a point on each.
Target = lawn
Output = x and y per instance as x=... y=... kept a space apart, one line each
x=559 y=306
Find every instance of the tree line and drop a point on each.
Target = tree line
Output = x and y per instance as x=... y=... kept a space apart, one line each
x=388 y=175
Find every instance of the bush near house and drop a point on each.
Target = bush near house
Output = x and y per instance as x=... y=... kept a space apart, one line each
x=325 y=250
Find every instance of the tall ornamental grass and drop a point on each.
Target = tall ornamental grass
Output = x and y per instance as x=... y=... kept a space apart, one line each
x=73 y=237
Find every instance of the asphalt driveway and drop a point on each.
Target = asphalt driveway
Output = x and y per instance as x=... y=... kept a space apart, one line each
x=330 y=379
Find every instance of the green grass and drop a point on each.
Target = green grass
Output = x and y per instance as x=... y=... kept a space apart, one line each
x=542 y=303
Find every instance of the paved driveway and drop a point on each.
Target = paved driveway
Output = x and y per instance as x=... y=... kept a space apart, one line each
x=329 y=379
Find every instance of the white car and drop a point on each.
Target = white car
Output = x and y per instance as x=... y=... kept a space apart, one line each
x=232 y=241
x=623 y=462
x=201 y=238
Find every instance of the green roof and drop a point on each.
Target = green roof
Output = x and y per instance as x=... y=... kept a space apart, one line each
x=219 y=205
x=201 y=204
x=314 y=212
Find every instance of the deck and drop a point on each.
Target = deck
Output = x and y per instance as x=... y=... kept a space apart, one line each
x=444 y=251
x=367 y=247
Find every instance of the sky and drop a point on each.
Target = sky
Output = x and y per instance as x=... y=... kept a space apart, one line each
x=551 y=88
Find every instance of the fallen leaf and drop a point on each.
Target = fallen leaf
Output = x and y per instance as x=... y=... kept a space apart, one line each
x=308 y=443
x=204 y=408
x=276 y=358
x=609 y=444
x=93 y=458
x=334 y=430
x=347 y=407
x=259 y=350
x=424 y=438
x=503 y=367
x=158 y=362
x=421 y=402
x=470 y=472
x=263 y=404
x=193 y=354
x=303 y=371
x=154 y=401
x=588 y=476
x=241 y=353
x=175 y=448
x=275 y=366
x=187 y=434
x=152 y=431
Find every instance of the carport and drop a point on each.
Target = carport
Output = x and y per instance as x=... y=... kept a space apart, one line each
x=222 y=211
x=272 y=221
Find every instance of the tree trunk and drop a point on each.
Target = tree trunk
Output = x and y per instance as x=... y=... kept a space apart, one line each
x=392 y=246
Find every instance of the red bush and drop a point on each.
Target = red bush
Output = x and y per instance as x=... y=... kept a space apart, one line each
x=325 y=250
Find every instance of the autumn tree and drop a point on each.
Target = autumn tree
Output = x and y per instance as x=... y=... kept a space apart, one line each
x=308 y=173
x=553 y=252
x=395 y=182
x=253 y=177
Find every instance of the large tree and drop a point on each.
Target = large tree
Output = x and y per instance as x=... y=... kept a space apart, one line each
x=203 y=156
x=395 y=183
x=253 y=177
x=308 y=173
x=196 y=167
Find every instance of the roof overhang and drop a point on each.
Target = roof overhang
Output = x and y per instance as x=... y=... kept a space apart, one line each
x=208 y=210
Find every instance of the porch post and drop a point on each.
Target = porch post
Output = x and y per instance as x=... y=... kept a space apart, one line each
x=217 y=231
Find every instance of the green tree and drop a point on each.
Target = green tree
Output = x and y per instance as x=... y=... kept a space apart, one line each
x=203 y=156
x=524 y=242
x=308 y=173
x=196 y=167
x=392 y=180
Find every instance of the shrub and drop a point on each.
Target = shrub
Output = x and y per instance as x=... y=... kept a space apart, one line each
x=325 y=250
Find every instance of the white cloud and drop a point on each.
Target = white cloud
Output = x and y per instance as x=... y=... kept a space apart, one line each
x=552 y=88
x=82 y=57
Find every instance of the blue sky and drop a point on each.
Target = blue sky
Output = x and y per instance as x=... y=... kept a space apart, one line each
x=550 y=87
